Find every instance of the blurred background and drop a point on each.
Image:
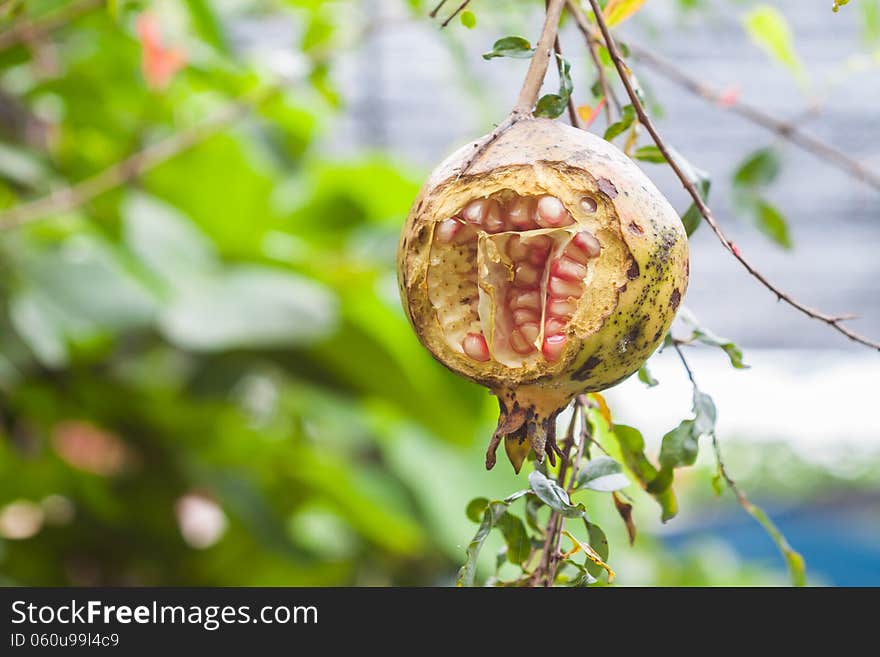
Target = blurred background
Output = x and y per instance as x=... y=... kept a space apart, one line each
x=206 y=377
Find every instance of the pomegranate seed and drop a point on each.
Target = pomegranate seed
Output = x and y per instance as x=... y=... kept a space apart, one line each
x=563 y=288
x=586 y=242
x=520 y=213
x=553 y=345
x=551 y=213
x=474 y=211
x=474 y=345
x=446 y=230
x=570 y=270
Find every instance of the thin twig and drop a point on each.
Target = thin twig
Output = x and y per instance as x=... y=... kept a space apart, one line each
x=833 y=321
x=541 y=59
x=439 y=6
x=578 y=411
x=793 y=559
x=785 y=129
x=531 y=86
x=27 y=29
x=572 y=110
x=69 y=198
x=580 y=20
x=687 y=368
x=455 y=13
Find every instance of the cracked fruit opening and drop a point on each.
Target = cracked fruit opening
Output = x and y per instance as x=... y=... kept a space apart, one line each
x=507 y=273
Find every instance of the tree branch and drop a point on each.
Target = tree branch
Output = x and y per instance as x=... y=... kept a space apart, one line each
x=439 y=6
x=584 y=26
x=531 y=86
x=27 y=29
x=785 y=129
x=69 y=198
x=833 y=321
x=541 y=59
x=455 y=13
x=793 y=559
x=572 y=110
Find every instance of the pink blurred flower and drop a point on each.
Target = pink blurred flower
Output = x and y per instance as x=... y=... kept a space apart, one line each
x=159 y=63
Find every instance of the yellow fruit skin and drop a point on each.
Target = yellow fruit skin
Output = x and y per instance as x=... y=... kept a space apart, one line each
x=644 y=261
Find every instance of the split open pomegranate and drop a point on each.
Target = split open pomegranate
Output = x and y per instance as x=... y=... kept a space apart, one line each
x=551 y=267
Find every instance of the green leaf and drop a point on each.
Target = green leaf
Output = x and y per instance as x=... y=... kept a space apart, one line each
x=602 y=474
x=510 y=46
x=599 y=542
x=494 y=515
x=550 y=106
x=680 y=446
x=519 y=547
x=627 y=116
x=771 y=222
x=476 y=507
x=170 y=245
x=870 y=21
x=692 y=218
x=207 y=24
x=468 y=19
x=632 y=447
x=554 y=496
x=249 y=306
x=21 y=167
x=758 y=169
x=650 y=154
x=533 y=505
x=553 y=105
x=491 y=515
x=793 y=559
x=705 y=336
x=646 y=377
x=705 y=414
x=769 y=30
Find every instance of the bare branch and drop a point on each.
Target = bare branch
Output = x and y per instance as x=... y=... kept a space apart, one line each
x=541 y=59
x=531 y=86
x=572 y=110
x=785 y=129
x=833 y=321
x=68 y=198
x=792 y=558
x=27 y=29
x=455 y=13
x=586 y=29
x=439 y=6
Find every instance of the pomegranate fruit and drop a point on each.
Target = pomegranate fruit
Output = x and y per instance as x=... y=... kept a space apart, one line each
x=551 y=267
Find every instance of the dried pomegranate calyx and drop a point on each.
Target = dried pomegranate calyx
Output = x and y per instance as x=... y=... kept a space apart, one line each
x=551 y=267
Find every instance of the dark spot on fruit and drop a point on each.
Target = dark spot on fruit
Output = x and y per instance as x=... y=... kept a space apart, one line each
x=607 y=187
x=635 y=228
x=633 y=272
x=657 y=335
x=583 y=372
x=675 y=299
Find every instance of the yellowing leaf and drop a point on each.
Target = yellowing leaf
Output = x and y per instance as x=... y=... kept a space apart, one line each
x=618 y=11
x=603 y=406
x=588 y=114
x=769 y=29
x=590 y=553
